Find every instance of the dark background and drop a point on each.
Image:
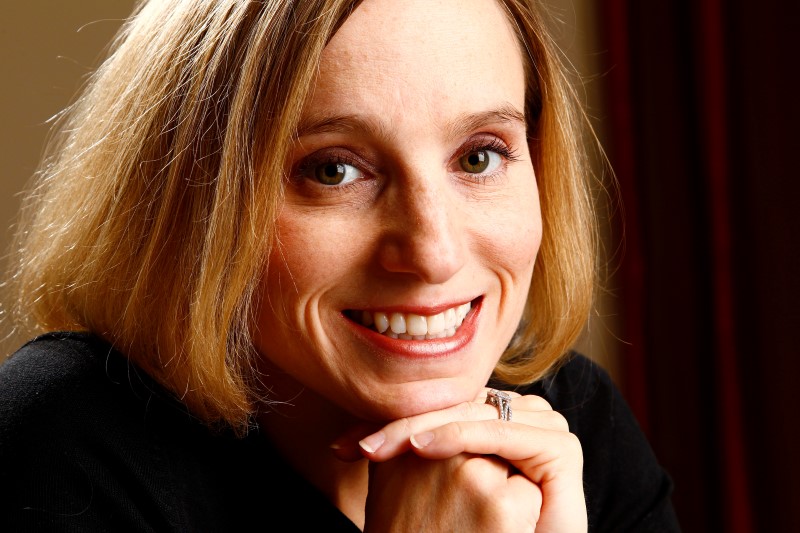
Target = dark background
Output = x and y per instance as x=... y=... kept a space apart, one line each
x=702 y=101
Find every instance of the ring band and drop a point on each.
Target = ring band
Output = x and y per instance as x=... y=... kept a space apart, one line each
x=502 y=401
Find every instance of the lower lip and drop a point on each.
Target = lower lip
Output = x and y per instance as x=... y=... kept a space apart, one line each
x=423 y=349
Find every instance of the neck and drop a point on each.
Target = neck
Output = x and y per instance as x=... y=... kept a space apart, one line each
x=302 y=425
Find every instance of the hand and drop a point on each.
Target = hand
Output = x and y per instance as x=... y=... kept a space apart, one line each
x=463 y=493
x=459 y=472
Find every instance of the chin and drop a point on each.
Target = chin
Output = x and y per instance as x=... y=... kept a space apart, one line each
x=416 y=398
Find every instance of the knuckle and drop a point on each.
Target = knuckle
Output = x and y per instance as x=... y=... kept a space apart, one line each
x=532 y=402
x=506 y=514
x=542 y=404
x=501 y=431
x=404 y=425
x=559 y=421
x=572 y=444
x=467 y=410
x=451 y=430
x=475 y=472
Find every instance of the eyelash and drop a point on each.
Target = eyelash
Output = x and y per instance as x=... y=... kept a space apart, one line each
x=307 y=165
x=493 y=145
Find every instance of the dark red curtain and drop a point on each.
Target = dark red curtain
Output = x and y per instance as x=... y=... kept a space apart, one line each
x=704 y=118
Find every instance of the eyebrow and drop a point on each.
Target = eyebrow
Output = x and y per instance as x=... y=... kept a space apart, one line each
x=341 y=124
x=460 y=127
x=469 y=122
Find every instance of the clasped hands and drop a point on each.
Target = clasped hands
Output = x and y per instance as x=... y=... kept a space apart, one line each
x=463 y=469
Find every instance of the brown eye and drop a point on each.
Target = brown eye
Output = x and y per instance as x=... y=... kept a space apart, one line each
x=336 y=173
x=479 y=161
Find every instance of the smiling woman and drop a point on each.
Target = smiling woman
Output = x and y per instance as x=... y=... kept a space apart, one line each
x=295 y=242
x=385 y=214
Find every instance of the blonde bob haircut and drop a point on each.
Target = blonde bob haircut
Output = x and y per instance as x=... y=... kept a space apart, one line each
x=153 y=215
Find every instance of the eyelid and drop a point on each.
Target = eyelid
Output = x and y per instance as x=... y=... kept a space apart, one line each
x=336 y=155
x=491 y=143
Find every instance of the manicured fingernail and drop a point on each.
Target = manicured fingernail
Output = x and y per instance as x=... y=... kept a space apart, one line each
x=373 y=442
x=421 y=440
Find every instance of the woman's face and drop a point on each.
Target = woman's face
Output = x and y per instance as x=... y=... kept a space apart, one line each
x=412 y=200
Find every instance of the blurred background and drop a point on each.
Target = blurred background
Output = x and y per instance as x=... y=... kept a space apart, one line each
x=696 y=105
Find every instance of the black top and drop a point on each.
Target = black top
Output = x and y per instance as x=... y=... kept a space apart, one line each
x=90 y=443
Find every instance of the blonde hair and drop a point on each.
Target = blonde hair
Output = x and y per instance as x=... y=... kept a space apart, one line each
x=562 y=288
x=152 y=217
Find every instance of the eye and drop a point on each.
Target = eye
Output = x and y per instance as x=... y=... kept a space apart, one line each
x=480 y=161
x=336 y=173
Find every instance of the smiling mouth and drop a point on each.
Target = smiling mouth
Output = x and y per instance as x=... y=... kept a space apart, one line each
x=411 y=326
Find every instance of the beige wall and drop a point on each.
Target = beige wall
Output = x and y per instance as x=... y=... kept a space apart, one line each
x=47 y=47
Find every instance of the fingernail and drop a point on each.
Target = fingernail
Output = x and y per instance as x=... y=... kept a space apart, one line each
x=336 y=446
x=373 y=442
x=421 y=440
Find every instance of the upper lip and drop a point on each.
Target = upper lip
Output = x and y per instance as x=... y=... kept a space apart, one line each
x=423 y=310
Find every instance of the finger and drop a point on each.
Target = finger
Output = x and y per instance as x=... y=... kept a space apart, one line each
x=393 y=439
x=526 y=447
x=543 y=419
x=549 y=420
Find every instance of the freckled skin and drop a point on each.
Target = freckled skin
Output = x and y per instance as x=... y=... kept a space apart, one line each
x=414 y=229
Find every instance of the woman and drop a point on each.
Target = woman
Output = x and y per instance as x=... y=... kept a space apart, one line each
x=283 y=247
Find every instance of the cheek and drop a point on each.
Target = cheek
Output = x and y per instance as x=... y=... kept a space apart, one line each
x=310 y=254
x=307 y=260
x=529 y=222
x=511 y=241
x=521 y=243
x=295 y=271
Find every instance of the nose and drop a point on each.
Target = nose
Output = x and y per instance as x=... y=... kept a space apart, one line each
x=424 y=233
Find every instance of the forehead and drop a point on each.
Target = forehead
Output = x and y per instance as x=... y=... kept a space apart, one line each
x=429 y=56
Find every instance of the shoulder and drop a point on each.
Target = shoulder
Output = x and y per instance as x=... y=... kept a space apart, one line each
x=67 y=377
x=66 y=389
x=42 y=375
x=74 y=434
x=626 y=487
x=49 y=364
x=582 y=391
x=92 y=443
x=573 y=383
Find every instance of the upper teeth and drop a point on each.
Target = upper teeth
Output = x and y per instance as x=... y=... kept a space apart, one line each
x=417 y=327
